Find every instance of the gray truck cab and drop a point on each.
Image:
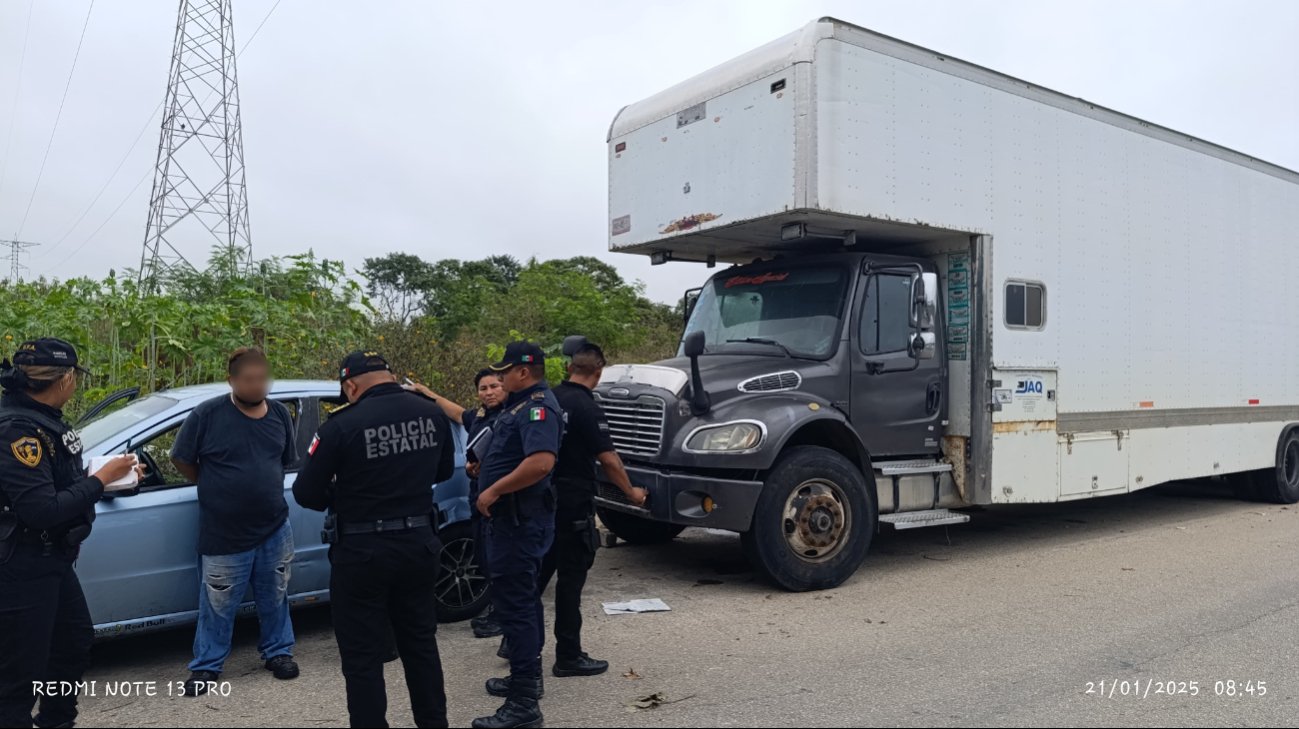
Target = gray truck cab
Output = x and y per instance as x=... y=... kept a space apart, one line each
x=797 y=377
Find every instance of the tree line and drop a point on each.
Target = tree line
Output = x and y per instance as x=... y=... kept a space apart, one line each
x=438 y=322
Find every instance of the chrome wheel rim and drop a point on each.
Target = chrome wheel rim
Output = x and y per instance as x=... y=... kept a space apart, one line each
x=461 y=581
x=817 y=520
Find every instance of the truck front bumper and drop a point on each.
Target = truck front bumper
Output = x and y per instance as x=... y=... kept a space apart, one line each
x=678 y=498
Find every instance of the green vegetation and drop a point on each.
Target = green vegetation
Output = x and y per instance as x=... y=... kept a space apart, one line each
x=438 y=323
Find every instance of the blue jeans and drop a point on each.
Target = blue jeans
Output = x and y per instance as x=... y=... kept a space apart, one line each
x=223 y=581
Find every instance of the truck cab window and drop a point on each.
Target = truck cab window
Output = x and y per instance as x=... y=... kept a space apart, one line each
x=885 y=324
x=1025 y=305
x=772 y=310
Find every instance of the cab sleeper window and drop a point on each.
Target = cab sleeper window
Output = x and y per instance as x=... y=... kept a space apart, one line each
x=1025 y=305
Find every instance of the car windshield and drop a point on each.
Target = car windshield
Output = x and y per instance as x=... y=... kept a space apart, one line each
x=792 y=311
x=106 y=426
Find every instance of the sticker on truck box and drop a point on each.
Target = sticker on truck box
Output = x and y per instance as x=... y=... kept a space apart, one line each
x=688 y=222
x=621 y=225
x=956 y=350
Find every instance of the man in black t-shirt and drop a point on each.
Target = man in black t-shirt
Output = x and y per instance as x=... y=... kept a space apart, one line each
x=236 y=447
x=586 y=442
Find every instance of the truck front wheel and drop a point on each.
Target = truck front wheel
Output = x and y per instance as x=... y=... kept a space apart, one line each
x=814 y=520
x=635 y=530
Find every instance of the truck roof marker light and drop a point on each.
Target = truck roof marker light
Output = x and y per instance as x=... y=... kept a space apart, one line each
x=1147 y=404
x=1253 y=402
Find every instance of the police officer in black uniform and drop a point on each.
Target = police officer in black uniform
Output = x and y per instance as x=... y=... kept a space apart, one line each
x=491 y=397
x=46 y=506
x=373 y=463
x=586 y=442
x=518 y=500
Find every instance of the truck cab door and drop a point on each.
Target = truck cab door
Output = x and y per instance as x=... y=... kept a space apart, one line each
x=897 y=403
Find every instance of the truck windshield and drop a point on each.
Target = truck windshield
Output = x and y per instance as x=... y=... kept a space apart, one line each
x=793 y=310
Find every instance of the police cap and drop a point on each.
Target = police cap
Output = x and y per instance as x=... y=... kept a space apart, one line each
x=360 y=362
x=47 y=352
x=520 y=353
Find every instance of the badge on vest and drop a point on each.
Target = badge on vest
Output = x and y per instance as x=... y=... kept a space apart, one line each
x=537 y=414
x=27 y=450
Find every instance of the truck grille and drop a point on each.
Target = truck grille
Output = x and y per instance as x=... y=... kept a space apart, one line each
x=636 y=426
x=772 y=383
x=613 y=493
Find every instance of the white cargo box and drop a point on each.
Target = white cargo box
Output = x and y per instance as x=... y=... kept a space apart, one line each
x=847 y=129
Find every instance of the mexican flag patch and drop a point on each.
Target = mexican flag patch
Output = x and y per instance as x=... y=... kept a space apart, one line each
x=537 y=414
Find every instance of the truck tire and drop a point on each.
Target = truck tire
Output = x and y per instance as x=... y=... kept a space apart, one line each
x=1280 y=485
x=461 y=589
x=813 y=521
x=635 y=530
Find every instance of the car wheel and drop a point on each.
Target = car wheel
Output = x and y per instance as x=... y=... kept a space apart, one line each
x=635 y=530
x=813 y=522
x=462 y=587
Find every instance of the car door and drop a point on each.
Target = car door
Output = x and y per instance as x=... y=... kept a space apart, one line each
x=140 y=560
x=896 y=405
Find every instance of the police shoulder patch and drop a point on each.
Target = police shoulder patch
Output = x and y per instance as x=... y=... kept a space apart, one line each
x=27 y=450
x=539 y=395
x=339 y=409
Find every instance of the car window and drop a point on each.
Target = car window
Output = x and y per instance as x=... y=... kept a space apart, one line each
x=155 y=455
x=327 y=406
x=115 y=422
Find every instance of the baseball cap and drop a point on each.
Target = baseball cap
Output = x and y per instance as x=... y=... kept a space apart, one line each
x=520 y=353
x=361 y=362
x=47 y=352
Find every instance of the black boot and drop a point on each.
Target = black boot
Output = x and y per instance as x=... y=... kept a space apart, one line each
x=583 y=665
x=504 y=650
x=485 y=625
x=500 y=687
x=520 y=709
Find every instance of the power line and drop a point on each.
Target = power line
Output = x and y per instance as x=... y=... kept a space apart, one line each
x=57 y=117
x=138 y=137
x=101 y=225
x=18 y=84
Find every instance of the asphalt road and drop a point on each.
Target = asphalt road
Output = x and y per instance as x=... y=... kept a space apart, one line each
x=1009 y=623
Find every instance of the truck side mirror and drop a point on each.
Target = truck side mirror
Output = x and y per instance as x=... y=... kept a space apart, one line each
x=688 y=302
x=924 y=301
x=693 y=346
x=922 y=346
x=573 y=344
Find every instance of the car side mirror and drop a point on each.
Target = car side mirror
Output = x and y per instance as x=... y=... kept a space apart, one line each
x=573 y=344
x=924 y=301
x=922 y=346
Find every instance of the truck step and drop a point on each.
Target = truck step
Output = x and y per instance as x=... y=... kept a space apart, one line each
x=907 y=468
x=928 y=517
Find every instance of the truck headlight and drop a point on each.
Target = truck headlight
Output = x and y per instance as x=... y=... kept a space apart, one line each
x=728 y=437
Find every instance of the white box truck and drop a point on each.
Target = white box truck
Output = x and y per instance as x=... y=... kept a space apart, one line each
x=949 y=288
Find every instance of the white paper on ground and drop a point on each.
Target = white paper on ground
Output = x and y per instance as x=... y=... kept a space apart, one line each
x=130 y=479
x=644 y=605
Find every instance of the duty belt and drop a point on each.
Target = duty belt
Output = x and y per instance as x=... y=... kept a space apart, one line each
x=386 y=526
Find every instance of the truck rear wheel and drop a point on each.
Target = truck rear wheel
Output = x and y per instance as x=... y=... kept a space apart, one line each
x=814 y=520
x=1277 y=485
x=1280 y=485
x=635 y=530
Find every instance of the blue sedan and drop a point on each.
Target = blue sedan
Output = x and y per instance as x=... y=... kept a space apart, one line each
x=139 y=568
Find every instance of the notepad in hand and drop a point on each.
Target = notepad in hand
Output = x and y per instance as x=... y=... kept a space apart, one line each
x=480 y=444
x=129 y=481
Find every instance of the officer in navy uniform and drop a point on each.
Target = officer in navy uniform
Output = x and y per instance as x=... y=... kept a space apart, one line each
x=47 y=504
x=374 y=463
x=519 y=502
x=491 y=397
x=586 y=442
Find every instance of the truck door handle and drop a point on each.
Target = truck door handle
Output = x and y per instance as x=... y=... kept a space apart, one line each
x=933 y=397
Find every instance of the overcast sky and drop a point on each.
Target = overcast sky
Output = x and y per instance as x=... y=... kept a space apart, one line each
x=461 y=130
